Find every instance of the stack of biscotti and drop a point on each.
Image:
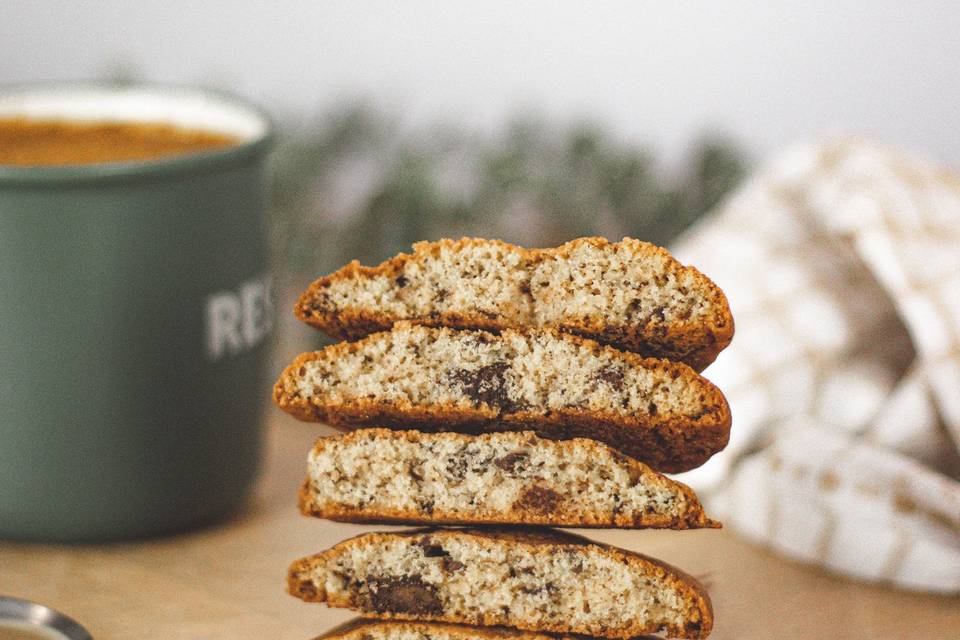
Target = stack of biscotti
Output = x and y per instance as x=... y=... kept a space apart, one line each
x=507 y=390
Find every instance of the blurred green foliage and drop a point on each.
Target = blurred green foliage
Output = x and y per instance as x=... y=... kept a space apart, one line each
x=357 y=185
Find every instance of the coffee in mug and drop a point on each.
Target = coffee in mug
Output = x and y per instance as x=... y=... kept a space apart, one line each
x=29 y=142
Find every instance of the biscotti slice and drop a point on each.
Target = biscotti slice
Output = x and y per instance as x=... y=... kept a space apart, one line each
x=629 y=294
x=538 y=581
x=365 y=629
x=558 y=385
x=378 y=475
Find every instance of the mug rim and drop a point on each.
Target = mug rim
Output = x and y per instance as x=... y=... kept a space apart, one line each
x=254 y=146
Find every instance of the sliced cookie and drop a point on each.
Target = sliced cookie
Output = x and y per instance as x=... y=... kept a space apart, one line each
x=558 y=385
x=378 y=475
x=537 y=581
x=361 y=629
x=629 y=294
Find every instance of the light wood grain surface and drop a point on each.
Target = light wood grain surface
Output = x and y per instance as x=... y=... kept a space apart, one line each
x=228 y=581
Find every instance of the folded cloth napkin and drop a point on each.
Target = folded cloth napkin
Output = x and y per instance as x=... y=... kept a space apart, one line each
x=841 y=261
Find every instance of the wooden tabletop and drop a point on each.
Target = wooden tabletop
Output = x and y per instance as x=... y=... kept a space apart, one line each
x=228 y=581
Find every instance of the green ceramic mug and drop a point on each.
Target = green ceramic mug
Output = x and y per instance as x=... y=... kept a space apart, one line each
x=135 y=312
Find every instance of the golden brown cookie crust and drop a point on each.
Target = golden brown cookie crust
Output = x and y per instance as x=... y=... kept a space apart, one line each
x=360 y=629
x=552 y=510
x=698 y=623
x=665 y=442
x=696 y=343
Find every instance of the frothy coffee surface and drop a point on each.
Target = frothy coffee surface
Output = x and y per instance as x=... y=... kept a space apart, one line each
x=30 y=142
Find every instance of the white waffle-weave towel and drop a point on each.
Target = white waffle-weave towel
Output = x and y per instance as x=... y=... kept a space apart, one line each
x=841 y=261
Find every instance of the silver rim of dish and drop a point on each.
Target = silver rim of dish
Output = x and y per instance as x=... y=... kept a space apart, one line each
x=42 y=617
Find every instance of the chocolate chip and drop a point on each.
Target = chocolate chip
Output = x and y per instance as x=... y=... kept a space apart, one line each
x=433 y=550
x=474 y=340
x=402 y=281
x=486 y=385
x=450 y=565
x=539 y=499
x=409 y=594
x=307 y=589
x=457 y=466
x=480 y=464
x=430 y=549
x=548 y=587
x=652 y=408
x=612 y=375
x=512 y=462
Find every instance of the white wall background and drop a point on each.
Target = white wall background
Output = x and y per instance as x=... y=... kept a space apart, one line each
x=769 y=72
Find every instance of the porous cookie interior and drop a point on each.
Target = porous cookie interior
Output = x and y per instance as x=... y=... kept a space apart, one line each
x=491 y=475
x=626 y=283
x=484 y=277
x=515 y=371
x=402 y=632
x=535 y=587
